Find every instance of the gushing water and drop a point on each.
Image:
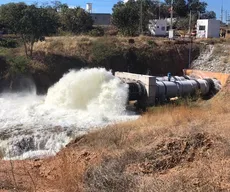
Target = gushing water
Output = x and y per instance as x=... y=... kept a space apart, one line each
x=34 y=126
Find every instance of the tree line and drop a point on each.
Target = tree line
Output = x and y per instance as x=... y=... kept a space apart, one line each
x=127 y=16
x=33 y=22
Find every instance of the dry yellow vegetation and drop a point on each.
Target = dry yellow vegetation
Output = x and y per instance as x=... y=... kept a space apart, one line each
x=170 y=148
x=178 y=147
x=183 y=147
x=72 y=45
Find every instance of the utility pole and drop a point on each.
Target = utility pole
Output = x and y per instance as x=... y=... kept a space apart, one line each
x=141 y=18
x=159 y=4
x=171 y=24
x=190 y=21
x=222 y=12
x=226 y=17
x=171 y=32
x=190 y=46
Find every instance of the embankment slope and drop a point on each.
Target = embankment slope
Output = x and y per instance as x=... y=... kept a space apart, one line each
x=57 y=55
x=183 y=148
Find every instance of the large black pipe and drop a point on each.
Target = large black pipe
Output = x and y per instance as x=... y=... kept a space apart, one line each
x=169 y=89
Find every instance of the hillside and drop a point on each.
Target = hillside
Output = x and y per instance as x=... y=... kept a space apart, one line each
x=215 y=57
x=183 y=146
x=56 y=55
x=180 y=147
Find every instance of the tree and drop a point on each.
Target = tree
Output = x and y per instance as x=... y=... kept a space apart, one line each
x=75 y=20
x=208 y=15
x=164 y=10
x=126 y=16
x=183 y=7
x=183 y=24
x=149 y=11
x=32 y=23
x=197 y=6
x=179 y=7
x=10 y=15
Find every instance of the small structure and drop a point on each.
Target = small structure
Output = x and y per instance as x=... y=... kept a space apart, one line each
x=101 y=18
x=158 y=27
x=208 y=28
x=89 y=7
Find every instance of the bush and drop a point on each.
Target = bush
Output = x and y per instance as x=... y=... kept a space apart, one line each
x=18 y=64
x=97 y=32
x=8 y=43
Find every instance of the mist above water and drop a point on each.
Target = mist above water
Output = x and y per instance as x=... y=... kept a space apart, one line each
x=37 y=126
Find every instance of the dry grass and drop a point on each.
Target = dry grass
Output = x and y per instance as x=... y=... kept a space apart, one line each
x=170 y=148
x=80 y=45
x=184 y=148
x=63 y=45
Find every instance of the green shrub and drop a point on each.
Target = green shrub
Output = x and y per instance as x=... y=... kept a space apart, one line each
x=4 y=51
x=9 y=43
x=151 y=43
x=18 y=64
x=97 y=32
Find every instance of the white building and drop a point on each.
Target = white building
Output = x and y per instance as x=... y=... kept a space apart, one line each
x=208 y=28
x=158 y=27
x=101 y=18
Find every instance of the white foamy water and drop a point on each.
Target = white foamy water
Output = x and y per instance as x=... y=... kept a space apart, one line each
x=37 y=126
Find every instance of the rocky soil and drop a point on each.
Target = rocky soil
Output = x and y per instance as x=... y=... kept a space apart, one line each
x=215 y=58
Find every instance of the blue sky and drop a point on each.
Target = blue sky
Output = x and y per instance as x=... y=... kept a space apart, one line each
x=105 y=6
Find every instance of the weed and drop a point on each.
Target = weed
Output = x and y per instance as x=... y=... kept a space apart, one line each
x=109 y=176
